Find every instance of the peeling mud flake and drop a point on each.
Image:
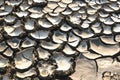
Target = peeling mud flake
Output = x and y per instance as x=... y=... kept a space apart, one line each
x=49 y=45
x=43 y=54
x=103 y=49
x=28 y=73
x=24 y=59
x=3 y=62
x=28 y=43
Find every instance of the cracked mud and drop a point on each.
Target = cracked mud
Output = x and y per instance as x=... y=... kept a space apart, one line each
x=59 y=40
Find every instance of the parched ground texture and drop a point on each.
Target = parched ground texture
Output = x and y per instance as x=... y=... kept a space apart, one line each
x=59 y=39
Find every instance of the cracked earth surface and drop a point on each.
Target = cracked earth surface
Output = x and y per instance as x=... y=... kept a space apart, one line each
x=59 y=39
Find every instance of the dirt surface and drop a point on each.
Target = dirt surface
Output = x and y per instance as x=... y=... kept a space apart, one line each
x=59 y=40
